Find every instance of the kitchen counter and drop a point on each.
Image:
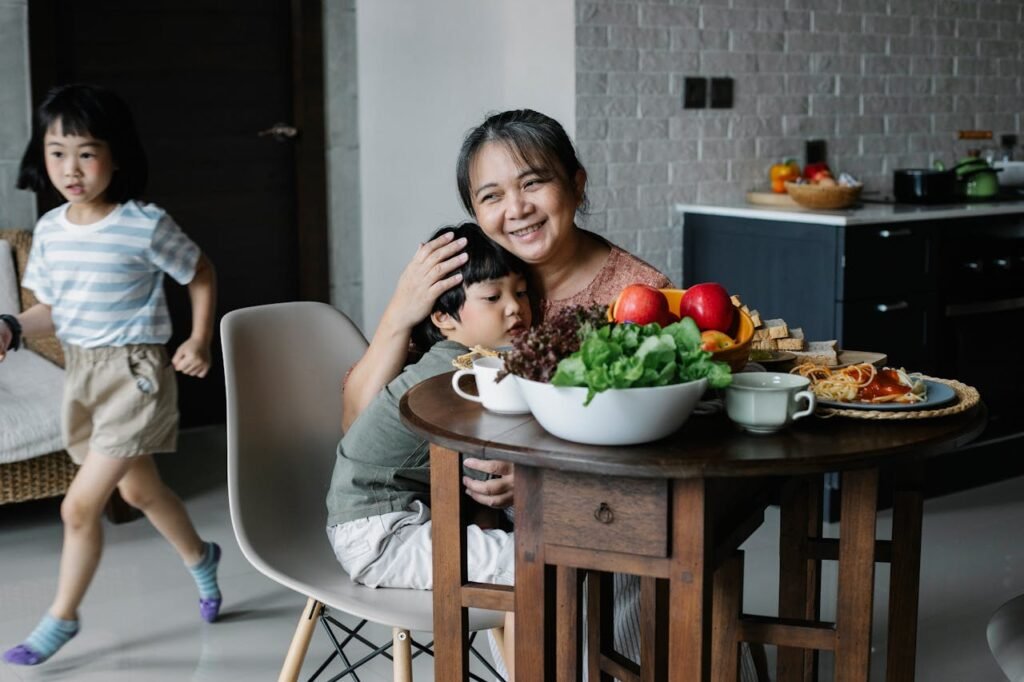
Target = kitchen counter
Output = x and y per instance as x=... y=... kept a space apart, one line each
x=862 y=214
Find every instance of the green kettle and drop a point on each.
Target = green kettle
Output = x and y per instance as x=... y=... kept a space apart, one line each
x=976 y=179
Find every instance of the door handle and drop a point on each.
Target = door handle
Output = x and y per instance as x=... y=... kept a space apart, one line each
x=280 y=132
x=890 y=307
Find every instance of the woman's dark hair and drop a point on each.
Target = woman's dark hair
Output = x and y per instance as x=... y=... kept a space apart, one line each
x=486 y=261
x=538 y=141
x=88 y=110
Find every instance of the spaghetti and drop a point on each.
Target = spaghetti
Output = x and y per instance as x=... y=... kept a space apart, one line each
x=863 y=383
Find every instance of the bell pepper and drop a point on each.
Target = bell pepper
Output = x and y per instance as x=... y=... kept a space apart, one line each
x=781 y=173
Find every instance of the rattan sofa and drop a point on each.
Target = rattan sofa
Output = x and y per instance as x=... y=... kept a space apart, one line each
x=49 y=474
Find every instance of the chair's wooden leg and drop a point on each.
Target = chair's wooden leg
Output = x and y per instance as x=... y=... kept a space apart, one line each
x=401 y=650
x=300 y=641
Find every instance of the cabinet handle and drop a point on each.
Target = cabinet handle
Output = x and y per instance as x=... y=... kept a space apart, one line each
x=890 y=234
x=604 y=513
x=889 y=307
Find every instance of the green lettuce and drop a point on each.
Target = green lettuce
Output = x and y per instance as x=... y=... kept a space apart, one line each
x=633 y=356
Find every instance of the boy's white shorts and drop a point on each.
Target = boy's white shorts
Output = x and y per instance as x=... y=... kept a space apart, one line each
x=394 y=550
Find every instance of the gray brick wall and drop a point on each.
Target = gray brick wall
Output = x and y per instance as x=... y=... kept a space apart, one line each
x=887 y=83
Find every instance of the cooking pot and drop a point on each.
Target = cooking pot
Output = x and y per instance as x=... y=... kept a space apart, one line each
x=977 y=179
x=924 y=185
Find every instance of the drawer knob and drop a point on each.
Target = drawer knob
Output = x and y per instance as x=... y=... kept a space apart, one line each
x=604 y=513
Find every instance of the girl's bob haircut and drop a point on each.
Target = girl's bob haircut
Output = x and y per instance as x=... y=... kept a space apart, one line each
x=88 y=111
x=487 y=260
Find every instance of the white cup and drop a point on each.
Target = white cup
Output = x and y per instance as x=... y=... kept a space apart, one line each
x=764 y=402
x=502 y=397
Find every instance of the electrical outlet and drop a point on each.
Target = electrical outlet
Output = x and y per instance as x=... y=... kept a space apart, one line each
x=695 y=93
x=721 y=93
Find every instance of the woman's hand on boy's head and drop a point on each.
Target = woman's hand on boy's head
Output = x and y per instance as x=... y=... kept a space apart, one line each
x=425 y=278
x=192 y=358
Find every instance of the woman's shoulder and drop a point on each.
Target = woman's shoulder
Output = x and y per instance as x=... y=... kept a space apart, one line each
x=623 y=265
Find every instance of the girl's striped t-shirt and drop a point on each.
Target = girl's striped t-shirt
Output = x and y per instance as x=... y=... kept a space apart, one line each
x=104 y=281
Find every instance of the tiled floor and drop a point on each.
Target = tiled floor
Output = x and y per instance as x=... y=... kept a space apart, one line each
x=140 y=621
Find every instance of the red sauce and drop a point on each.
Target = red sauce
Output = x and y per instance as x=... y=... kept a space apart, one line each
x=886 y=382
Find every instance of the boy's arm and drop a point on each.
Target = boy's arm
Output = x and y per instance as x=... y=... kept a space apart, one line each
x=36 y=321
x=193 y=356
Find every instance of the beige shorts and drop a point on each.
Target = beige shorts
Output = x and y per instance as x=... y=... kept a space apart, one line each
x=119 y=401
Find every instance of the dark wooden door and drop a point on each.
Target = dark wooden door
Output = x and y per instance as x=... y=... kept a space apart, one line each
x=203 y=80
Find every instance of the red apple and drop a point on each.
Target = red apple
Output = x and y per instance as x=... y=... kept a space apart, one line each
x=709 y=305
x=712 y=340
x=642 y=304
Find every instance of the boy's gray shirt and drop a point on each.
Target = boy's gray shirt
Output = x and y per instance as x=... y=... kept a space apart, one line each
x=381 y=465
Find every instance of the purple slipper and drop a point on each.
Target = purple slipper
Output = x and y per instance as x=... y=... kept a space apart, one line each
x=209 y=608
x=22 y=655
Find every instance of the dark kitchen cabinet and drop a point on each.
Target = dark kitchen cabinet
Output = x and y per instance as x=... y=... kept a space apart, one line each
x=870 y=287
x=933 y=294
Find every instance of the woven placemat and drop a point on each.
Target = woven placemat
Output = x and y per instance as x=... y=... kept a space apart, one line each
x=967 y=397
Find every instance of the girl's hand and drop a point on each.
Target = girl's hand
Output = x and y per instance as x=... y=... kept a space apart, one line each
x=192 y=358
x=496 y=492
x=5 y=338
x=424 y=279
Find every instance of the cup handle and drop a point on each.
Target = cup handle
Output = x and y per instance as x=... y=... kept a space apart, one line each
x=812 y=401
x=455 y=386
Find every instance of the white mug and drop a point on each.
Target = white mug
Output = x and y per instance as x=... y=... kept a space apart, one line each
x=502 y=397
x=764 y=402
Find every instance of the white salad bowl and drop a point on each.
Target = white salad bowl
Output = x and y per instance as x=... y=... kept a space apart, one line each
x=623 y=416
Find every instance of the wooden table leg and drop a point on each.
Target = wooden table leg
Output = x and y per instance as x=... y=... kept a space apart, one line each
x=567 y=628
x=856 y=575
x=535 y=626
x=689 y=648
x=451 y=620
x=727 y=604
x=600 y=625
x=799 y=576
x=904 y=579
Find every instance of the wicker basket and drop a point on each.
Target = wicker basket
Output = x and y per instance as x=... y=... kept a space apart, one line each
x=823 y=197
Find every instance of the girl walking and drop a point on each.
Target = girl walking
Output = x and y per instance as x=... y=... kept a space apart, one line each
x=97 y=267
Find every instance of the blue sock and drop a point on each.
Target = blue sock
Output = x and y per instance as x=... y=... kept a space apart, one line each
x=48 y=637
x=205 y=575
x=205 y=572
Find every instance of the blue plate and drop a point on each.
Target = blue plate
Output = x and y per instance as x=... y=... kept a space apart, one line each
x=938 y=395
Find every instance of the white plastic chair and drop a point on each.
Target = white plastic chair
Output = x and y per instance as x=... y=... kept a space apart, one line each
x=1006 y=638
x=284 y=364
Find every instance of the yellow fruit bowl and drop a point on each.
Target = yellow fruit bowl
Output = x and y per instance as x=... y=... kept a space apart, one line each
x=742 y=333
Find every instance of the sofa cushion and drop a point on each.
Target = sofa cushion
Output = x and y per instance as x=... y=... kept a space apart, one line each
x=8 y=281
x=30 y=387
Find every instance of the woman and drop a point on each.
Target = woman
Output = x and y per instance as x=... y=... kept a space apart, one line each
x=519 y=177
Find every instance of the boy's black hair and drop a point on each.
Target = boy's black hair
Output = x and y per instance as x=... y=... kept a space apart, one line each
x=487 y=260
x=536 y=140
x=89 y=110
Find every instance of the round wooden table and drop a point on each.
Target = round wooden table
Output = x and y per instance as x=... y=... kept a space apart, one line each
x=674 y=512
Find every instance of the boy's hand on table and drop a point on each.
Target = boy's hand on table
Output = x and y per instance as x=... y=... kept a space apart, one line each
x=192 y=358
x=496 y=492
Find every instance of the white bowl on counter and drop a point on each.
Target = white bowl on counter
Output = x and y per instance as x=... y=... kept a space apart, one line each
x=623 y=416
x=1012 y=174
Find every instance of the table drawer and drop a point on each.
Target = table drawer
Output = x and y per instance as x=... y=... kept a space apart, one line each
x=628 y=515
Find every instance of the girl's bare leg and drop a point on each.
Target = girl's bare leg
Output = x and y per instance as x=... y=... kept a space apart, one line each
x=142 y=487
x=83 y=531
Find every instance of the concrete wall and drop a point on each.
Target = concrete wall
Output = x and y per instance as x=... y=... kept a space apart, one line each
x=427 y=72
x=886 y=83
x=17 y=208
